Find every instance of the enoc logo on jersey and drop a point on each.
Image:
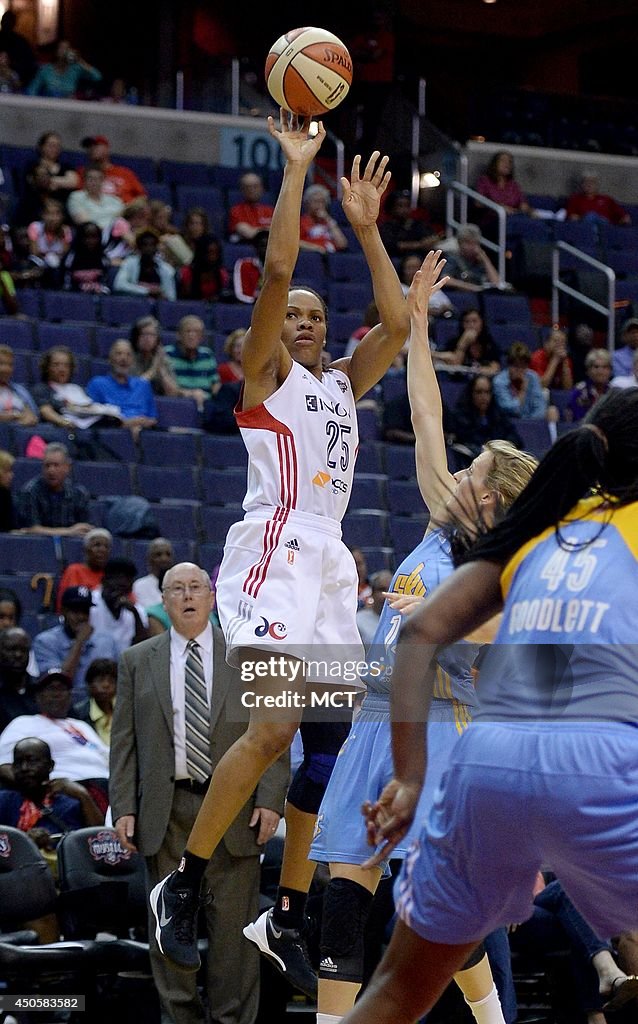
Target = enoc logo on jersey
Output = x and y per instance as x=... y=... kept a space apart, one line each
x=5 y=845
x=316 y=404
x=275 y=630
x=106 y=846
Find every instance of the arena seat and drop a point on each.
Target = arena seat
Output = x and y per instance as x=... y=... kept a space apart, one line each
x=78 y=337
x=227 y=317
x=30 y=302
x=404 y=498
x=106 y=336
x=177 y=520
x=370 y=457
x=399 y=461
x=223 y=486
x=163 y=448
x=346 y=297
x=179 y=172
x=170 y=313
x=103 y=478
x=73 y=549
x=505 y=309
x=158 y=483
x=25 y=554
x=310 y=270
x=16 y=333
x=365 y=528
x=348 y=266
x=216 y=522
x=209 y=555
x=341 y=326
x=183 y=549
x=223 y=452
x=177 y=412
x=368 y=492
x=125 y=309
x=61 y=306
x=535 y=436
x=406 y=532
x=120 y=442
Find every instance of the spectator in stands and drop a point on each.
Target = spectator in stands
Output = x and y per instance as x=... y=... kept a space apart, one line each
x=150 y=361
x=440 y=303
x=624 y=381
x=206 y=276
x=552 y=362
x=63 y=178
x=8 y=519
x=9 y=80
x=368 y=616
x=159 y=557
x=16 y=685
x=18 y=49
x=397 y=421
x=39 y=805
x=10 y=616
x=251 y=215
x=133 y=396
x=113 y=611
x=86 y=266
x=477 y=419
x=173 y=248
x=196 y=225
x=370 y=319
x=499 y=184
x=98 y=544
x=61 y=78
x=624 y=356
x=77 y=750
x=63 y=403
x=517 y=389
x=97 y=708
x=50 y=504
x=16 y=405
x=403 y=231
x=74 y=643
x=596 y=384
x=18 y=260
x=144 y=272
x=230 y=371
x=471 y=269
x=118 y=180
x=248 y=271
x=218 y=413
x=92 y=203
x=194 y=364
x=37 y=189
x=318 y=230
x=474 y=347
x=50 y=240
x=590 y=204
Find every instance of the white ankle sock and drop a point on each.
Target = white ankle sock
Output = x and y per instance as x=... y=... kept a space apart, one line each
x=328 y=1018
x=487 y=1010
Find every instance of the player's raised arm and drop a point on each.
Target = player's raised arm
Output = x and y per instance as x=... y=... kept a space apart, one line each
x=436 y=483
x=361 y=202
x=264 y=358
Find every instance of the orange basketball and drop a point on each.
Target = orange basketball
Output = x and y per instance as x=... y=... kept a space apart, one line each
x=308 y=71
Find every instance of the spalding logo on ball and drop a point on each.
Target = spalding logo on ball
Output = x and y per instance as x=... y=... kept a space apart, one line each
x=308 y=71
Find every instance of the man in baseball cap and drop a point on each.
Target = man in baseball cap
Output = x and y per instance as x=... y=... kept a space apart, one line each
x=118 y=181
x=624 y=356
x=73 y=644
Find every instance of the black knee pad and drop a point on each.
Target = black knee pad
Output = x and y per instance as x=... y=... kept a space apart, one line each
x=346 y=906
x=474 y=958
x=309 y=784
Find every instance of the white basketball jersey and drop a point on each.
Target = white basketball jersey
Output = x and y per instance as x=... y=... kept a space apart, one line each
x=302 y=444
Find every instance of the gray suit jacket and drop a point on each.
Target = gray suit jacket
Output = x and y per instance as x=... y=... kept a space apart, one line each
x=142 y=771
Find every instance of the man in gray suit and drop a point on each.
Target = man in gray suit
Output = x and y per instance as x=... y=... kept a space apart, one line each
x=155 y=798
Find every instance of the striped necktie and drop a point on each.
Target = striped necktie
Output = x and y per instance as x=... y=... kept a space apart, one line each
x=196 y=716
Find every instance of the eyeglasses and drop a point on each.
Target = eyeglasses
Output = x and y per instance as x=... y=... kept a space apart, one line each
x=180 y=589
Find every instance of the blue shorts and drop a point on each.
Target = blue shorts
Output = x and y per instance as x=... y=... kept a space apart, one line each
x=516 y=798
x=362 y=770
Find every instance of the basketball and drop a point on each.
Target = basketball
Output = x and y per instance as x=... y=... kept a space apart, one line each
x=308 y=71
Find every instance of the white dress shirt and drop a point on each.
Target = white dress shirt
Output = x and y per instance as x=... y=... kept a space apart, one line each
x=103 y=621
x=147 y=591
x=179 y=654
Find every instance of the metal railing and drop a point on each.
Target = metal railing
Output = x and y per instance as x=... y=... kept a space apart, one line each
x=559 y=286
x=458 y=189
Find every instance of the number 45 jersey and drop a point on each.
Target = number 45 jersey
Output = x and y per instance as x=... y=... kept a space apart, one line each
x=302 y=444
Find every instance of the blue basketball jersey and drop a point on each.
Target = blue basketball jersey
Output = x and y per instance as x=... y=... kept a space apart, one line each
x=567 y=646
x=419 y=574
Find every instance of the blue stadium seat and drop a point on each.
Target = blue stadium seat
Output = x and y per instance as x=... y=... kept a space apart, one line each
x=78 y=337
x=159 y=190
x=369 y=425
x=223 y=486
x=164 y=448
x=348 y=266
x=234 y=251
x=399 y=460
x=341 y=326
x=535 y=436
x=378 y=559
x=103 y=478
x=347 y=298
x=451 y=390
x=228 y=317
x=406 y=532
x=158 y=483
x=106 y=336
x=506 y=334
x=22 y=368
x=361 y=529
x=98 y=367
x=24 y=470
x=120 y=441
x=393 y=385
x=444 y=332
x=216 y=522
x=125 y=309
x=184 y=551
x=61 y=306
x=26 y=554
x=73 y=549
x=582 y=234
x=615 y=236
x=370 y=458
x=404 y=498
x=16 y=333
x=209 y=555
x=143 y=166
x=505 y=309
x=177 y=412
x=624 y=263
x=229 y=177
x=223 y=452
x=30 y=598
x=179 y=172
x=561 y=399
x=461 y=300
x=169 y=314
x=29 y=301
x=368 y=492
x=310 y=270
x=208 y=196
x=177 y=520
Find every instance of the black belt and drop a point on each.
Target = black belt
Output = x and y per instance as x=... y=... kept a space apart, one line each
x=193 y=785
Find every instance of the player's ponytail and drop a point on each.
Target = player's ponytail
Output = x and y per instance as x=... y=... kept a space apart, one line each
x=601 y=455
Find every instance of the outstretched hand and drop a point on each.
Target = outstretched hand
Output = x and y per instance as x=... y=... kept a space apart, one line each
x=293 y=135
x=389 y=819
x=362 y=194
x=425 y=282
